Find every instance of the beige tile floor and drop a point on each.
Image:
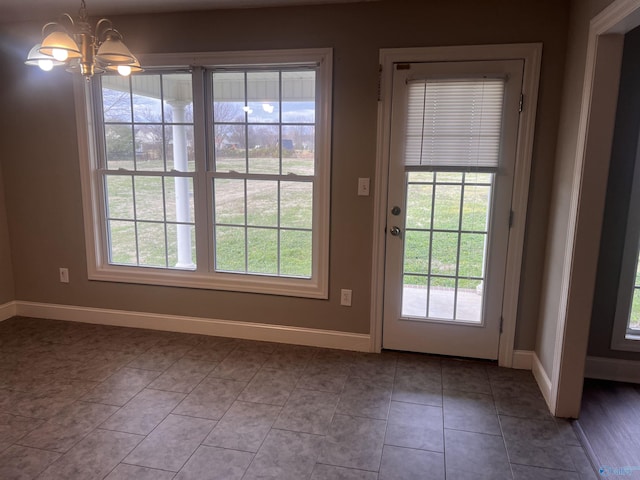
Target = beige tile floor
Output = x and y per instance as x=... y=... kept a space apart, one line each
x=82 y=401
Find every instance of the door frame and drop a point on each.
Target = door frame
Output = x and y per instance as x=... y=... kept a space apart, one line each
x=531 y=53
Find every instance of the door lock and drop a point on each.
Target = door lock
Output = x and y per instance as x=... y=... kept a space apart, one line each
x=395 y=211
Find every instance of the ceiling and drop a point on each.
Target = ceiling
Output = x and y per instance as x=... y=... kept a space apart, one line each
x=22 y=10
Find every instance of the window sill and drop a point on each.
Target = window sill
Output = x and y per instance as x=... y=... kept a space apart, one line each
x=262 y=284
x=628 y=343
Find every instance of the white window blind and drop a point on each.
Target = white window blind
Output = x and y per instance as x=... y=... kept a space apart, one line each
x=454 y=123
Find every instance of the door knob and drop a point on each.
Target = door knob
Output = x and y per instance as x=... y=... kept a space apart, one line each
x=395 y=231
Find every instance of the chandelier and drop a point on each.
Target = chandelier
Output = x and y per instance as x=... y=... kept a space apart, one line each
x=76 y=47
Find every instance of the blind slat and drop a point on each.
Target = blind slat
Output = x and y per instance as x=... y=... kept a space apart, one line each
x=454 y=122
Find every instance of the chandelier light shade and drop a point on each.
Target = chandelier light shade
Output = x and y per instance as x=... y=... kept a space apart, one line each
x=73 y=44
x=60 y=46
x=45 y=62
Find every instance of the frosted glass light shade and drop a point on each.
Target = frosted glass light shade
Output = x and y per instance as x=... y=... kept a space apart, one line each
x=37 y=59
x=60 y=41
x=126 y=69
x=113 y=51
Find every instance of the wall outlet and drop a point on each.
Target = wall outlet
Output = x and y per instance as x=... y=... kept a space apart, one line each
x=345 y=297
x=64 y=275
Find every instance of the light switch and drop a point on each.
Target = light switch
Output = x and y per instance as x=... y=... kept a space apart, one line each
x=363 y=187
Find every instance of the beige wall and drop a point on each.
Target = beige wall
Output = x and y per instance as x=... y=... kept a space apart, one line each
x=7 y=291
x=44 y=185
x=581 y=13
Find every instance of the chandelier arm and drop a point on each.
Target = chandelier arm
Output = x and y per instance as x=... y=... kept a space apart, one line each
x=54 y=25
x=101 y=29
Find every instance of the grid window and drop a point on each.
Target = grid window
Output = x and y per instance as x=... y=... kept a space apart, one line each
x=213 y=176
x=445 y=244
x=263 y=173
x=148 y=174
x=633 y=326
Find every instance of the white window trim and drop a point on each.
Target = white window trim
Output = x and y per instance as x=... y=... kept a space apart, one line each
x=98 y=267
x=620 y=338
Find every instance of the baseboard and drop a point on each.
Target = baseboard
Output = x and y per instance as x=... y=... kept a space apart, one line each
x=613 y=369
x=7 y=310
x=522 y=359
x=543 y=380
x=205 y=326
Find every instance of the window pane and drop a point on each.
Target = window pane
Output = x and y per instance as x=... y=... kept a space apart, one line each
x=119 y=146
x=146 y=94
x=263 y=250
x=179 y=199
x=298 y=149
x=149 y=147
x=263 y=97
x=177 y=93
x=151 y=244
x=444 y=251
x=634 y=317
x=119 y=197
x=471 y=254
x=298 y=97
x=442 y=298
x=122 y=242
x=414 y=296
x=468 y=304
x=416 y=252
x=426 y=177
x=446 y=215
x=262 y=203
x=230 y=249
x=174 y=256
x=179 y=148
x=296 y=204
x=295 y=253
x=230 y=148
x=116 y=99
x=475 y=177
x=475 y=212
x=229 y=201
x=149 y=198
x=419 y=199
x=264 y=149
x=228 y=97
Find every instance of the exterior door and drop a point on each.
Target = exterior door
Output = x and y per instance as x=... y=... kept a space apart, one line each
x=453 y=145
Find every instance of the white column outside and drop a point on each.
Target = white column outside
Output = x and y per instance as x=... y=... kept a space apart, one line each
x=181 y=185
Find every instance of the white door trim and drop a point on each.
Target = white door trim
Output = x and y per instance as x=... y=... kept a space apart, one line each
x=593 y=152
x=531 y=53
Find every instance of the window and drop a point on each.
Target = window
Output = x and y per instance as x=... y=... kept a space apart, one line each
x=452 y=152
x=213 y=174
x=626 y=327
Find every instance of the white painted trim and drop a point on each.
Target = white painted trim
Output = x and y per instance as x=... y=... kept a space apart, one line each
x=204 y=326
x=572 y=328
x=531 y=53
x=522 y=359
x=613 y=369
x=7 y=310
x=543 y=380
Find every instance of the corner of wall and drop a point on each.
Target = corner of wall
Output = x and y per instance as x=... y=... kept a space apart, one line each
x=7 y=285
